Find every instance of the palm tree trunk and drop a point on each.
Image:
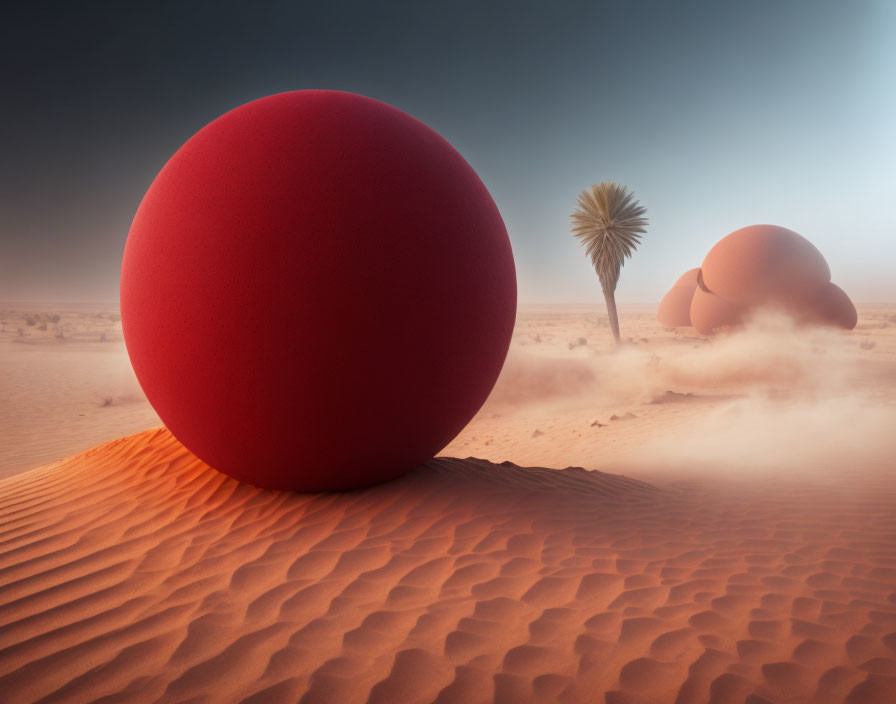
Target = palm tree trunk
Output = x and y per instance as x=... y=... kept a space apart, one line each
x=610 y=298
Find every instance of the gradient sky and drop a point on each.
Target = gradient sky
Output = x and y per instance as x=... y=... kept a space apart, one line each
x=718 y=115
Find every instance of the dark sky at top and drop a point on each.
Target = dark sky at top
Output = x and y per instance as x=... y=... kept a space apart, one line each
x=718 y=115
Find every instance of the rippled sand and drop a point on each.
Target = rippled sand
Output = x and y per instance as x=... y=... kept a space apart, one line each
x=132 y=572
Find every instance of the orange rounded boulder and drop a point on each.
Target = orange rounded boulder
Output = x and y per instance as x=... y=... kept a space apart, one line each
x=833 y=307
x=675 y=308
x=766 y=265
x=710 y=312
x=761 y=266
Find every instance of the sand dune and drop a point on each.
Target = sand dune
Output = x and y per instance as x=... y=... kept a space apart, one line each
x=131 y=572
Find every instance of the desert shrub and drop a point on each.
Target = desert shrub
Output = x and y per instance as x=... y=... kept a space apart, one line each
x=43 y=325
x=54 y=318
x=29 y=320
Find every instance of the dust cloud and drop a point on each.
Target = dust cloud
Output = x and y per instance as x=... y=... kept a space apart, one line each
x=771 y=396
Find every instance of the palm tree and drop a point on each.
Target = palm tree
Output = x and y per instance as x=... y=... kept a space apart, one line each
x=608 y=223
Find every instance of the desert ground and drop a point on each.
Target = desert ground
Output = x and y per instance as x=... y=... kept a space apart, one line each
x=65 y=383
x=680 y=519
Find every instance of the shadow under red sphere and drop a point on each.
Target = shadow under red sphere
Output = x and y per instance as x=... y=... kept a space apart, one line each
x=317 y=292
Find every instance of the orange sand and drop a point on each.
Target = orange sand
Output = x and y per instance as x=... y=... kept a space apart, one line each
x=133 y=573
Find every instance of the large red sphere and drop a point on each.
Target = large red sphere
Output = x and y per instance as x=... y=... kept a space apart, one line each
x=317 y=292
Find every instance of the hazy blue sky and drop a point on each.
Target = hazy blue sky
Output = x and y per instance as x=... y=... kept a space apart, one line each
x=717 y=114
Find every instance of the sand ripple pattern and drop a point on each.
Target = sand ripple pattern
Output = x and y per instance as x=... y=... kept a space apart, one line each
x=133 y=573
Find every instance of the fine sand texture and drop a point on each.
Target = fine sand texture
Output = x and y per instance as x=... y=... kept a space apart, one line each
x=737 y=546
x=133 y=573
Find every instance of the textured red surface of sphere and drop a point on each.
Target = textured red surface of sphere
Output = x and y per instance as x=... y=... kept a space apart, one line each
x=765 y=264
x=675 y=308
x=317 y=292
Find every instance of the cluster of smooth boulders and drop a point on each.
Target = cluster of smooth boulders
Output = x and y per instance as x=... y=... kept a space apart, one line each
x=762 y=266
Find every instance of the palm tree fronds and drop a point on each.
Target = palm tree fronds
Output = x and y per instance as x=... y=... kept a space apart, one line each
x=609 y=223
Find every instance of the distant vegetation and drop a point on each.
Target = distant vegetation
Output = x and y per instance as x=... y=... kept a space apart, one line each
x=609 y=223
x=66 y=326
